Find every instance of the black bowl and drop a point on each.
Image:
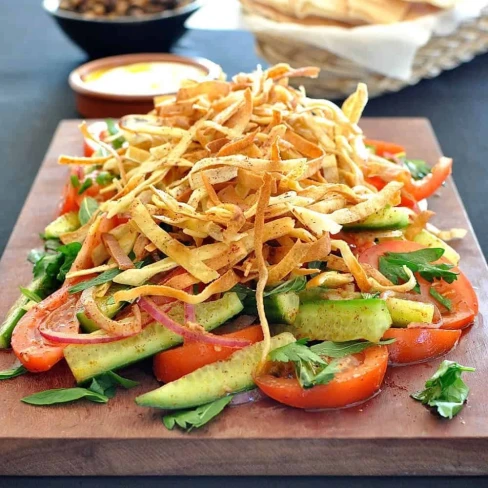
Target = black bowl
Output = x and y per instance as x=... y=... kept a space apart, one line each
x=102 y=37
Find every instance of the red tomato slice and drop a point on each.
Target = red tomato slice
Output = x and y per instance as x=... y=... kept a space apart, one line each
x=175 y=363
x=418 y=345
x=427 y=186
x=460 y=292
x=356 y=383
x=56 y=312
x=383 y=148
x=98 y=129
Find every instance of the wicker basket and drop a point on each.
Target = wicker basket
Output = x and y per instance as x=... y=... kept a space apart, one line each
x=339 y=77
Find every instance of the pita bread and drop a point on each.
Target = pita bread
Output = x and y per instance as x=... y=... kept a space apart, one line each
x=444 y=4
x=257 y=7
x=344 y=12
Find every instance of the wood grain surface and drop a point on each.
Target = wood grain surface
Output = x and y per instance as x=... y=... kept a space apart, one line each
x=389 y=435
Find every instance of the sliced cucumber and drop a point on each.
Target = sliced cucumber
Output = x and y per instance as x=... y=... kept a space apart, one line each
x=281 y=308
x=87 y=361
x=107 y=306
x=404 y=312
x=212 y=381
x=430 y=240
x=342 y=320
x=20 y=308
x=65 y=223
x=390 y=218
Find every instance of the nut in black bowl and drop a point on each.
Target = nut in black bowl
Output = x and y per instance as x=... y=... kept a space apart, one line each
x=101 y=36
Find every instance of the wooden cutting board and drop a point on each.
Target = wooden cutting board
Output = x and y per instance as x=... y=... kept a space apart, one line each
x=389 y=435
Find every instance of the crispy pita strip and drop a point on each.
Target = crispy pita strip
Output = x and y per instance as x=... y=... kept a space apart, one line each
x=89 y=271
x=264 y=195
x=418 y=225
x=220 y=285
x=302 y=145
x=210 y=189
x=237 y=146
x=389 y=195
x=330 y=279
x=169 y=246
x=83 y=161
x=447 y=235
x=354 y=105
x=211 y=89
x=352 y=264
x=403 y=288
x=372 y=272
x=239 y=121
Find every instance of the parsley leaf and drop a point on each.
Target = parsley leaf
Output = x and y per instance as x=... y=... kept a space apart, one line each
x=55 y=265
x=341 y=349
x=418 y=168
x=310 y=368
x=310 y=375
x=197 y=417
x=16 y=369
x=441 y=298
x=391 y=265
x=295 y=351
x=87 y=208
x=445 y=391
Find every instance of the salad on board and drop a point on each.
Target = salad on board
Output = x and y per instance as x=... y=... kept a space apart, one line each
x=250 y=240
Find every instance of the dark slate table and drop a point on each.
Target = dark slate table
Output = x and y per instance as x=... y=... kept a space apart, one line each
x=35 y=60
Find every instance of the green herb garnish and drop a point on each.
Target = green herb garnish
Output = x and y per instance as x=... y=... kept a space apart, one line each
x=196 y=417
x=87 y=208
x=310 y=368
x=64 y=395
x=440 y=298
x=104 y=178
x=31 y=295
x=86 y=184
x=341 y=349
x=113 y=130
x=445 y=391
x=15 y=370
x=418 y=169
x=391 y=265
x=75 y=181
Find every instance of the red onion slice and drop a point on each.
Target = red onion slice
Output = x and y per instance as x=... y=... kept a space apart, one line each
x=66 y=338
x=122 y=328
x=249 y=396
x=159 y=316
x=113 y=247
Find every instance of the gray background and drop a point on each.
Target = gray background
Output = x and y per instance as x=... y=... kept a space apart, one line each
x=35 y=61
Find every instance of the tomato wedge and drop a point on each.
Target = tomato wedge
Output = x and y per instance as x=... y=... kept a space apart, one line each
x=56 y=312
x=175 y=363
x=461 y=293
x=384 y=148
x=98 y=129
x=427 y=186
x=356 y=383
x=418 y=345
